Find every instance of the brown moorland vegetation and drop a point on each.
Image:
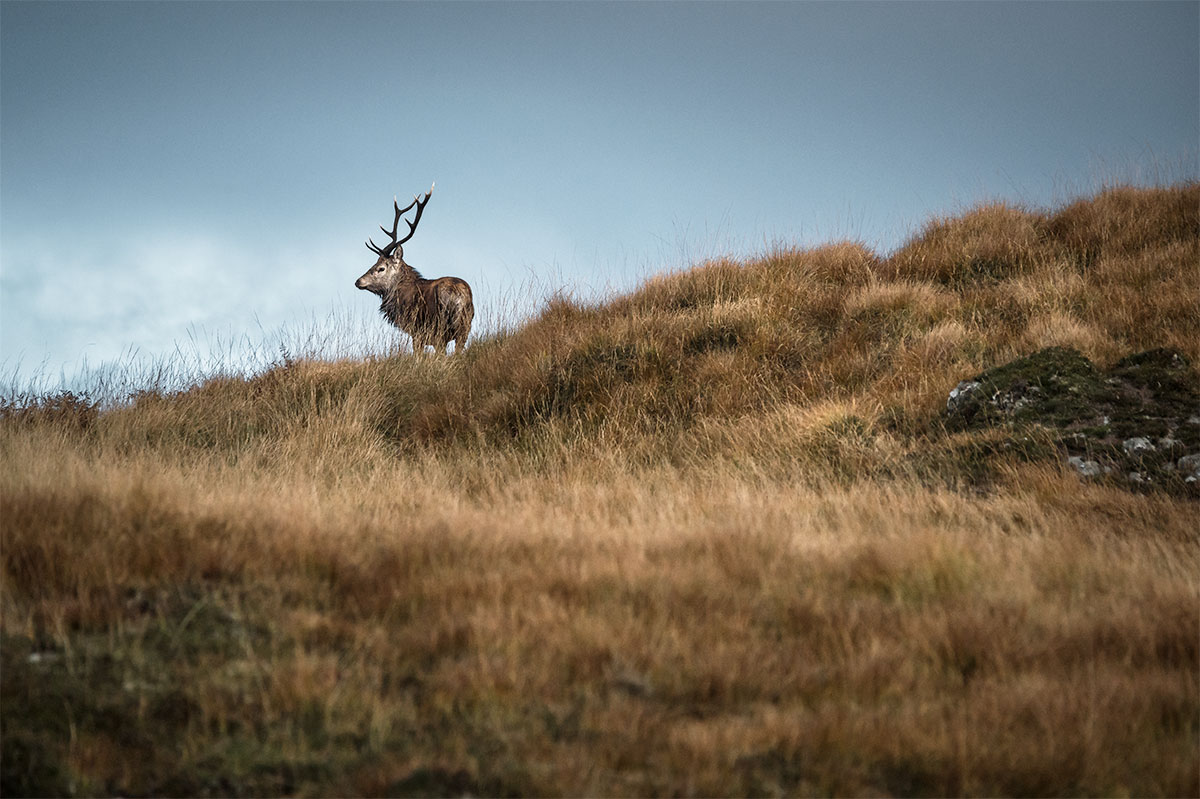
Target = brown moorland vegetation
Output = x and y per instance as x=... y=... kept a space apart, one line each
x=711 y=537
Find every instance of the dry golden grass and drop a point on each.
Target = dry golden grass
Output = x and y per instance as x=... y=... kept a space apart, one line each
x=709 y=538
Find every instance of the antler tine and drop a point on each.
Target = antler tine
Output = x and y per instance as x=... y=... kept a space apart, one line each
x=406 y=208
x=420 y=202
x=396 y=221
x=387 y=250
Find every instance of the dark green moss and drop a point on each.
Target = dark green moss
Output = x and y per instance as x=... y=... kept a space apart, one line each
x=1055 y=387
x=1095 y=413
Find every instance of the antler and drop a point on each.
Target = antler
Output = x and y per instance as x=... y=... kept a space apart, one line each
x=420 y=203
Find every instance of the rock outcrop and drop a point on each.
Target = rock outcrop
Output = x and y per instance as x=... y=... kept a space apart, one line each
x=1137 y=422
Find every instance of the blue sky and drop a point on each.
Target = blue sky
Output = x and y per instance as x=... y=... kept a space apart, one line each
x=183 y=172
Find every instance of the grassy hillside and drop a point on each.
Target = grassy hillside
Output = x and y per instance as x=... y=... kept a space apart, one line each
x=711 y=537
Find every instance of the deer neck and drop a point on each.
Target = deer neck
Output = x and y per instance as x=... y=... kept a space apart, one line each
x=401 y=301
x=407 y=274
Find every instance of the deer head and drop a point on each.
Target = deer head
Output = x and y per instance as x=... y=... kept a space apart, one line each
x=390 y=265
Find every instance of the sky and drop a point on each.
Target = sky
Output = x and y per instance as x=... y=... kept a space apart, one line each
x=196 y=177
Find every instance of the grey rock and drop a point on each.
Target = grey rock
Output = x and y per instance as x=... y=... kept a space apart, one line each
x=1190 y=465
x=633 y=683
x=1137 y=446
x=959 y=394
x=1011 y=403
x=1085 y=468
x=1138 y=478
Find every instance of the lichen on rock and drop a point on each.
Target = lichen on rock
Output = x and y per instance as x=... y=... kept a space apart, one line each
x=1133 y=418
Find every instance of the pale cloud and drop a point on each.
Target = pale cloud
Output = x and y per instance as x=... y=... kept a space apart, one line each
x=159 y=296
x=205 y=304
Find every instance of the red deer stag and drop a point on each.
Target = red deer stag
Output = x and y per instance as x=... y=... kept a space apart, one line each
x=433 y=312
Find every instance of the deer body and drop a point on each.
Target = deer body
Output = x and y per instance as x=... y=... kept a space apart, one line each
x=433 y=312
